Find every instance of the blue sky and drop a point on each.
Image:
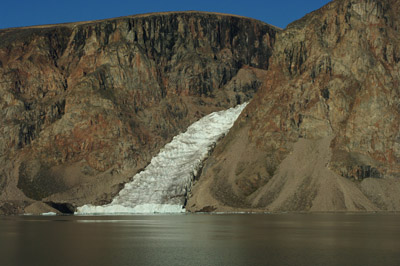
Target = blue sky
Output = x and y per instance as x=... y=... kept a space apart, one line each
x=17 y=13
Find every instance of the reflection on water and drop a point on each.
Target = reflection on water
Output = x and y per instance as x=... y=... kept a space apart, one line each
x=287 y=239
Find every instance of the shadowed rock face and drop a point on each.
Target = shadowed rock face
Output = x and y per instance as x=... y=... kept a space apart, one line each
x=332 y=90
x=85 y=106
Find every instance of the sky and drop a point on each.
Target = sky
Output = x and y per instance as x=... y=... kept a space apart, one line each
x=18 y=13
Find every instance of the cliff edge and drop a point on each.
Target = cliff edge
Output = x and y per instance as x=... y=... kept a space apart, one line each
x=322 y=134
x=85 y=106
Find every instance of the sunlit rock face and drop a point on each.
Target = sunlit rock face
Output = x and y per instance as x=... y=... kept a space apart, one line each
x=85 y=106
x=333 y=90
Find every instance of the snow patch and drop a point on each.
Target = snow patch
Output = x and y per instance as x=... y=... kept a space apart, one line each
x=139 y=209
x=49 y=214
x=163 y=185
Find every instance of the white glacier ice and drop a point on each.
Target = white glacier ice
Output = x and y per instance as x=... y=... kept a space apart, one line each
x=163 y=185
x=120 y=209
x=49 y=214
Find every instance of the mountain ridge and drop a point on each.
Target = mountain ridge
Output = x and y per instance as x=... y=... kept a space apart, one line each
x=166 y=13
x=333 y=76
x=86 y=107
x=321 y=132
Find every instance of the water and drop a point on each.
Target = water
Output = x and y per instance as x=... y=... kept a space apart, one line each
x=286 y=239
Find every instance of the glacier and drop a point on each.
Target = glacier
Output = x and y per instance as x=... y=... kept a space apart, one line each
x=163 y=185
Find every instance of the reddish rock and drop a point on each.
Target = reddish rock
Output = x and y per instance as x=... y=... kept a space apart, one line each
x=332 y=89
x=84 y=106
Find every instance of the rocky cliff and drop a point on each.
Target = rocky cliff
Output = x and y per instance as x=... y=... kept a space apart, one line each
x=323 y=132
x=85 y=106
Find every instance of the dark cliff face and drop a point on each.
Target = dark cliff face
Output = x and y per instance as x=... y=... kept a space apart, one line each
x=84 y=106
x=323 y=133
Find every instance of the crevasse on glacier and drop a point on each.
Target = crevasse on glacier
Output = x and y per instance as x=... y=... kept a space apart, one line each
x=163 y=185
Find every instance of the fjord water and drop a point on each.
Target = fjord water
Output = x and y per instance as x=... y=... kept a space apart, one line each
x=284 y=239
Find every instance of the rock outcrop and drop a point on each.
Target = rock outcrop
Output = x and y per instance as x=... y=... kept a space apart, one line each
x=323 y=132
x=85 y=106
